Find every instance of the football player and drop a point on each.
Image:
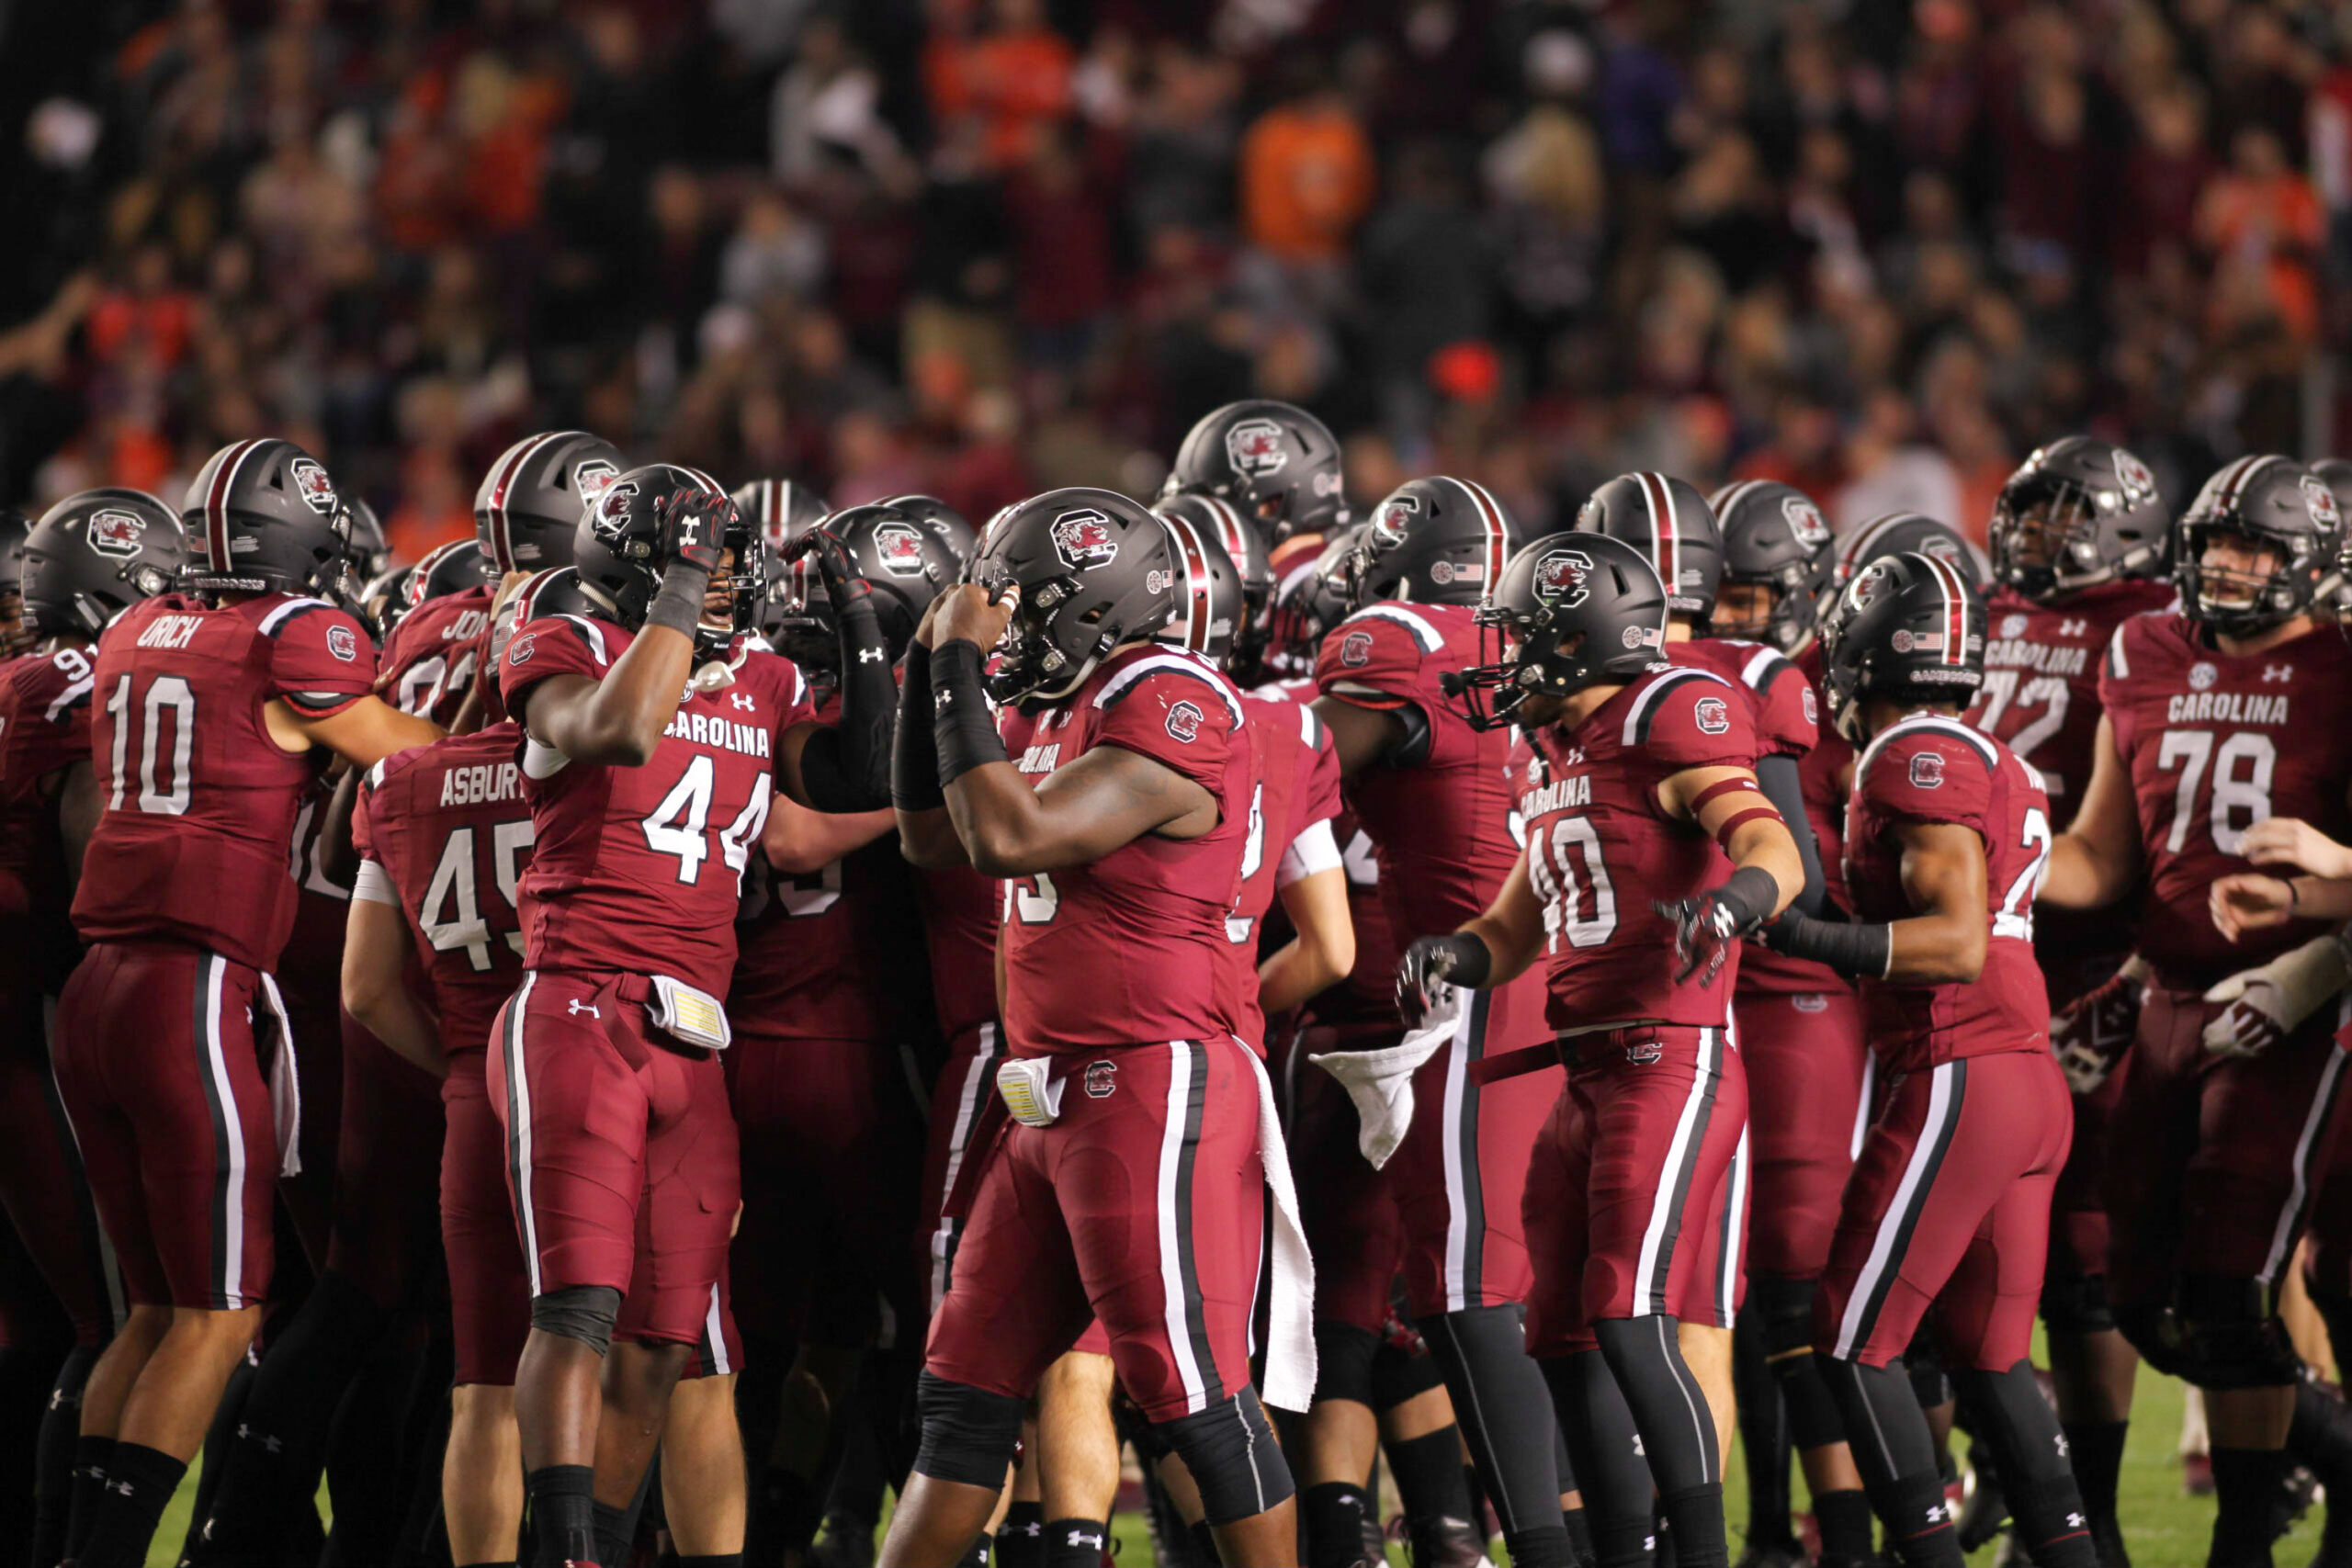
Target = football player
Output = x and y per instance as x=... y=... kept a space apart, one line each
x=1809 y=1066
x=2214 y=717
x=91 y=557
x=2078 y=544
x=1130 y=1183
x=434 y=652
x=1947 y=836
x=214 y=706
x=1273 y=462
x=15 y=636
x=781 y=509
x=1643 y=772
x=1429 y=791
x=651 y=737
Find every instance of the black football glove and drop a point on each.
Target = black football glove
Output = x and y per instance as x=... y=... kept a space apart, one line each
x=1709 y=925
x=694 y=530
x=844 y=578
x=1459 y=959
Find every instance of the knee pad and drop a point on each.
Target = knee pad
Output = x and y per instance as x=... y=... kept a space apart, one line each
x=585 y=1313
x=1233 y=1457
x=2146 y=1327
x=2077 y=1303
x=2228 y=1334
x=1784 y=1311
x=1399 y=1374
x=969 y=1436
x=1928 y=1385
x=1343 y=1361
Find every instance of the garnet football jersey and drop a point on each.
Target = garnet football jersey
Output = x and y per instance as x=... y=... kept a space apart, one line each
x=639 y=869
x=1786 y=713
x=817 y=956
x=2040 y=699
x=1600 y=850
x=429 y=661
x=2214 y=743
x=1132 y=948
x=195 y=839
x=1298 y=786
x=1932 y=768
x=443 y=833
x=1822 y=774
x=960 y=908
x=44 y=729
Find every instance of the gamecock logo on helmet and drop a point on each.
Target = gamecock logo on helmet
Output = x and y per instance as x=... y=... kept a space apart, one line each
x=1805 y=521
x=2321 y=503
x=611 y=516
x=1560 y=577
x=898 y=549
x=1396 y=515
x=1185 y=721
x=592 y=479
x=115 y=534
x=1944 y=550
x=2139 y=484
x=310 y=482
x=1084 y=540
x=1255 y=448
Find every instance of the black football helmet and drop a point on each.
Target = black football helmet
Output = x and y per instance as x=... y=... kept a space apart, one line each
x=782 y=509
x=1775 y=539
x=1252 y=588
x=93 y=555
x=384 y=601
x=446 y=569
x=617 y=550
x=1208 y=588
x=1896 y=533
x=1909 y=626
x=2269 y=501
x=2078 y=512
x=1571 y=610
x=530 y=503
x=1277 y=464
x=1667 y=520
x=908 y=558
x=370 y=553
x=1433 y=541
x=1310 y=598
x=264 y=516
x=1095 y=570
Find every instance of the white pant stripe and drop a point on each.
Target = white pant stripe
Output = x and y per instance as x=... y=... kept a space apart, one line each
x=1851 y=1331
x=1172 y=1237
x=518 y=1116
x=967 y=1107
x=1649 y=1281
x=231 y=1218
x=1733 y=1230
x=2282 y=1236
x=1458 y=1240
x=714 y=1330
x=1862 y=1106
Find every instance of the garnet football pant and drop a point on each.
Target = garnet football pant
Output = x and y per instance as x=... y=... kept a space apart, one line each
x=1141 y=1206
x=490 y=1291
x=2078 y=1226
x=966 y=1084
x=1634 y=1197
x=44 y=1187
x=601 y=1118
x=162 y=1076
x=833 y=1168
x=2213 y=1161
x=1347 y=1208
x=386 y=1219
x=1463 y=1166
x=1808 y=1102
x=1950 y=1205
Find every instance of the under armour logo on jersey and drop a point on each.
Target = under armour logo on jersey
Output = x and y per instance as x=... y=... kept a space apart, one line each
x=2073 y=629
x=579 y=1007
x=2277 y=672
x=742 y=701
x=869 y=656
x=2060 y=1442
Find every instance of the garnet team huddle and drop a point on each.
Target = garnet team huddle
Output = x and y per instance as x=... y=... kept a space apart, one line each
x=647 y=1031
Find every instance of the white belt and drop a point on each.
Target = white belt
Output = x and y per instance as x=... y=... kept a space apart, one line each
x=285 y=1084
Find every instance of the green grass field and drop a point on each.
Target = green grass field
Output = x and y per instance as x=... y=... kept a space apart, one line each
x=2165 y=1529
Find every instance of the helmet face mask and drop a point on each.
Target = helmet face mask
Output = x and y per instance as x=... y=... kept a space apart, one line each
x=1094 y=571
x=2272 y=530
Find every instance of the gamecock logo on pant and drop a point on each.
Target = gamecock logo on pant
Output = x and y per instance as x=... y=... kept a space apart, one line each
x=1084 y=540
x=1101 y=1077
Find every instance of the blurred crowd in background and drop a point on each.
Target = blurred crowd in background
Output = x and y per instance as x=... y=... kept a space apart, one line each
x=1876 y=248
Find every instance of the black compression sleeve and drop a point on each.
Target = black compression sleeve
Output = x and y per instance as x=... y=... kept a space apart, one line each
x=1778 y=777
x=852 y=771
x=914 y=753
x=962 y=727
x=1862 y=951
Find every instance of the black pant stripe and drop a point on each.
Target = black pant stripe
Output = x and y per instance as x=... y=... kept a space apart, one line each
x=1473 y=1191
x=1710 y=1066
x=1928 y=1171
x=1187 y=1263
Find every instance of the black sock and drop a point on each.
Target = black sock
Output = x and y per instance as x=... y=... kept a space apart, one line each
x=722 y=1559
x=1204 y=1543
x=1427 y=1471
x=91 y=1457
x=1021 y=1538
x=1918 y=1525
x=1763 y=1430
x=615 y=1534
x=2246 y=1490
x=53 y=1459
x=978 y=1557
x=1332 y=1515
x=1580 y=1527
x=1540 y=1546
x=1076 y=1543
x=2095 y=1449
x=563 y=1514
x=2051 y=1523
x=1695 y=1516
x=139 y=1484
x=1844 y=1519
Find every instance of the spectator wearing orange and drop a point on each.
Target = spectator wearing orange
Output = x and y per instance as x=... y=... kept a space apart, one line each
x=2261 y=213
x=1306 y=175
x=1014 y=78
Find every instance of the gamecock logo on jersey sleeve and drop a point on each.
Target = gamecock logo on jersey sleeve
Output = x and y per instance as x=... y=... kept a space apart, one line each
x=1185 y=721
x=1255 y=448
x=1084 y=540
x=1928 y=770
x=1713 y=715
x=344 y=643
x=115 y=534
